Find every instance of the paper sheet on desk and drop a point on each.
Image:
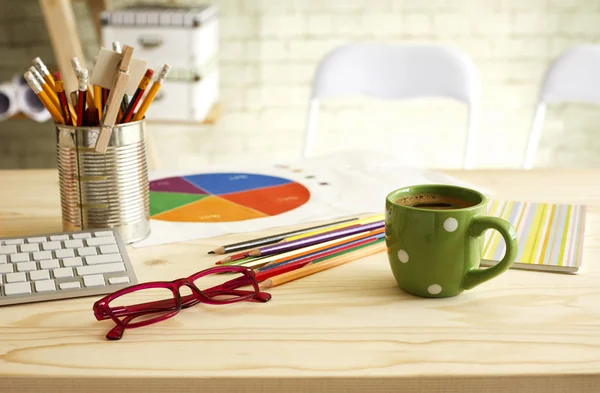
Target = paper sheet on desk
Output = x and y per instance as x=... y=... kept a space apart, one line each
x=334 y=186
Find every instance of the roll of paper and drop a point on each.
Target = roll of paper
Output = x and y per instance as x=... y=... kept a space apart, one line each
x=8 y=101
x=31 y=106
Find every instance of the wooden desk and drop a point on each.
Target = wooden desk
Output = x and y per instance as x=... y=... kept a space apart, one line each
x=349 y=329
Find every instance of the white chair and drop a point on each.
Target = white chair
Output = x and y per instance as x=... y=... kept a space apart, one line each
x=573 y=77
x=396 y=72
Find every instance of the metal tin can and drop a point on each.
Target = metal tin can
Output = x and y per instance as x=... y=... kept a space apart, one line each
x=104 y=190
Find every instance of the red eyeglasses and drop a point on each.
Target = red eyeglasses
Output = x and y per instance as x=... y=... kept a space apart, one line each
x=152 y=302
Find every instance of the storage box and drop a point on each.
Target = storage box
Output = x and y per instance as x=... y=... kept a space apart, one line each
x=185 y=37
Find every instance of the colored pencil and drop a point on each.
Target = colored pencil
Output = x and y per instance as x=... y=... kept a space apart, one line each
x=315 y=257
x=366 y=220
x=308 y=241
x=307 y=270
x=152 y=92
x=137 y=96
x=249 y=244
x=279 y=258
x=289 y=267
x=295 y=254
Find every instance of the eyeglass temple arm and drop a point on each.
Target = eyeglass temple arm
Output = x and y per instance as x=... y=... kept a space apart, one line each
x=161 y=305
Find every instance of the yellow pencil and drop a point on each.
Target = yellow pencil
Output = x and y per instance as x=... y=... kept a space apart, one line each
x=39 y=92
x=152 y=93
x=366 y=220
x=98 y=99
x=46 y=87
x=44 y=72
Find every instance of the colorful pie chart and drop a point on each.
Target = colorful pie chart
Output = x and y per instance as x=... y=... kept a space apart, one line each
x=223 y=197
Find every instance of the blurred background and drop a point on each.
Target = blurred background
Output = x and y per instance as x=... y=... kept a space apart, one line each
x=267 y=54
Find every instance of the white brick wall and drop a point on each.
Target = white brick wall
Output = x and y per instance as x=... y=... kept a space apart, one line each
x=269 y=50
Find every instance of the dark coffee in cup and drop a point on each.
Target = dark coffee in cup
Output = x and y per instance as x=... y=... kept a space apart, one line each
x=433 y=201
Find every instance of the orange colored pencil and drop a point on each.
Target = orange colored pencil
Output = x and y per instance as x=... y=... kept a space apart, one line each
x=262 y=275
x=321 y=266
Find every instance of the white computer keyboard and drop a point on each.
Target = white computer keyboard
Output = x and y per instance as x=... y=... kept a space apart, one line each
x=63 y=265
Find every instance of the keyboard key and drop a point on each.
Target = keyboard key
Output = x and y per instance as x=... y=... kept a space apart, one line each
x=73 y=243
x=85 y=251
x=3 y=259
x=39 y=275
x=17 y=289
x=10 y=242
x=118 y=280
x=36 y=239
x=51 y=246
x=15 y=277
x=81 y=235
x=70 y=285
x=100 y=241
x=98 y=259
x=100 y=269
x=68 y=262
x=112 y=249
x=8 y=249
x=59 y=237
x=23 y=257
x=50 y=264
x=45 y=286
x=6 y=268
x=26 y=266
x=63 y=272
x=94 y=281
x=30 y=247
x=41 y=255
x=68 y=253
x=103 y=233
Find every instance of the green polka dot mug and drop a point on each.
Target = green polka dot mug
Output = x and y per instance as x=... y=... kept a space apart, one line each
x=434 y=237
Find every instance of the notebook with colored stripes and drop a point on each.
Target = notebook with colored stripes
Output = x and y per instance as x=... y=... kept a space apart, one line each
x=550 y=236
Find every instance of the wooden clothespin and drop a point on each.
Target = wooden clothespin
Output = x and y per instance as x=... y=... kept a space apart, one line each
x=113 y=102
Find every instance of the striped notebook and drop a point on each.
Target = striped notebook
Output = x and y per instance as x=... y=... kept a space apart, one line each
x=550 y=236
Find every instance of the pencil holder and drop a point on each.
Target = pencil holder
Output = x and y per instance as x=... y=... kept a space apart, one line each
x=107 y=190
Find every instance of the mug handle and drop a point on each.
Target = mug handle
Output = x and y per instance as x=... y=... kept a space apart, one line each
x=478 y=226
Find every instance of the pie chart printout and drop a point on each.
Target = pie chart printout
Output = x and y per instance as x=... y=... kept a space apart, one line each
x=223 y=197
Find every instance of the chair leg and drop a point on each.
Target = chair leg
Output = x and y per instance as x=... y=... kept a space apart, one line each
x=471 y=140
x=311 y=128
x=534 y=136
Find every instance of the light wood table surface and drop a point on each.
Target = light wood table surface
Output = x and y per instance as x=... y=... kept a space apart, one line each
x=348 y=329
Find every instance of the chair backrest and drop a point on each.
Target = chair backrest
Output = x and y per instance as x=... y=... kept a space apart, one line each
x=573 y=77
x=397 y=72
x=392 y=71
